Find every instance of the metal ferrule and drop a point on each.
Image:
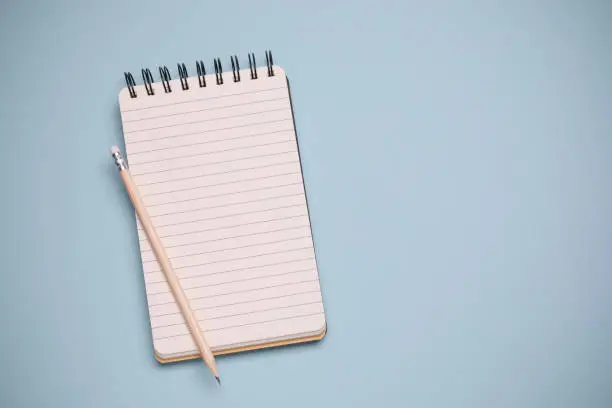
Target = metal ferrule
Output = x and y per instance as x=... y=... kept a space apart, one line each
x=119 y=161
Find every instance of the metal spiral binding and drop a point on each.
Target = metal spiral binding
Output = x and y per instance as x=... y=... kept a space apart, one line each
x=182 y=69
x=218 y=71
x=269 y=63
x=235 y=68
x=129 y=80
x=253 y=66
x=148 y=81
x=165 y=77
x=164 y=74
x=201 y=73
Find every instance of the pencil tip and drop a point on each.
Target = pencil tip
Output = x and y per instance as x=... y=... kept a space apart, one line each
x=218 y=380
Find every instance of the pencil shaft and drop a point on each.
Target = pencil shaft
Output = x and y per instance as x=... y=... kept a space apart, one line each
x=168 y=271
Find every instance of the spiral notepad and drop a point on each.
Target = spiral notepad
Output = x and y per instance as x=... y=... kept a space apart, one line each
x=215 y=157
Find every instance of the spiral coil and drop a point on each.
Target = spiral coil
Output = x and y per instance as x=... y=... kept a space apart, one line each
x=253 y=66
x=182 y=69
x=201 y=73
x=147 y=77
x=165 y=77
x=235 y=68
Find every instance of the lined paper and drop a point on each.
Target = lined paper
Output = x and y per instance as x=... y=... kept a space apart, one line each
x=219 y=171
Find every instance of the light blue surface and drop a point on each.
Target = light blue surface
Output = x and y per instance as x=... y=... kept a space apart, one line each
x=457 y=158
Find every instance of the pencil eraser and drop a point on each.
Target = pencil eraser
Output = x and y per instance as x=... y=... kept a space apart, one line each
x=114 y=149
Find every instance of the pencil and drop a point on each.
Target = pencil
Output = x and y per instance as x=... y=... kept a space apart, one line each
x=165 y=263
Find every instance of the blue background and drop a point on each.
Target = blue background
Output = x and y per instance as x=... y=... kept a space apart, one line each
x=457 y=159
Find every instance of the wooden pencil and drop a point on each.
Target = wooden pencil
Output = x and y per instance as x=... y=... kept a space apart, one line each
x=165 y=263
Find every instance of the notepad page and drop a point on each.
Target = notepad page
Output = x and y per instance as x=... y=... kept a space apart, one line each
x=219 y=171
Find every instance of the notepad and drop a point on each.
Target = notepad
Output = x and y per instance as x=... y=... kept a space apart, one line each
x=215 y=157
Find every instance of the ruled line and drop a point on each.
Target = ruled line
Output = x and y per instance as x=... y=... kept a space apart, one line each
x=240 y=291
x=240 y=247
x=204 y=110
x=241 y=303
x=244 y=325
x=155 y=262
x=310 y=258
x=216 y=151
x=232 y=237
x=232 y=260
x=208 y=120
x=218 y=195
x=218 y=173
x=203 y=99
x=209 y=141
x=210 y=163
x=228 y=215
x=235 y=281
x=240 y=314
x=222 y=228
x=211 y=130
x=220 y=184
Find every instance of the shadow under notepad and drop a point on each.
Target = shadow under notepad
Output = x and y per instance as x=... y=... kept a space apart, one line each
x=286 y=348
